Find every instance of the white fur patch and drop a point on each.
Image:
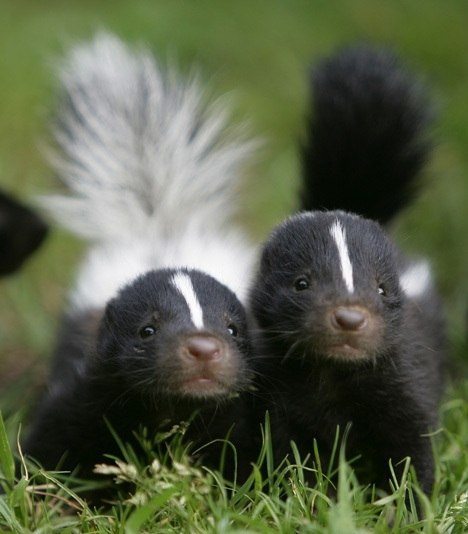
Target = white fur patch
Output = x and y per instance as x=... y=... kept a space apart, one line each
x=416 y=279
x=106 y=270
x=183 y=284
x=108 y=267
x=339 y=235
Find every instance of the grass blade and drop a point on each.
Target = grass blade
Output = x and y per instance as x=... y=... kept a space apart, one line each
x=7 y=461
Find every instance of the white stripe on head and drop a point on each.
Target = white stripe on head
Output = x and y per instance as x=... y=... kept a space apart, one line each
x=183 y=284
x=339 y=235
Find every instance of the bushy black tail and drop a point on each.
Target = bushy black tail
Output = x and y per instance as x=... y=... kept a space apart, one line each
x=22 y=231
x=366 y=135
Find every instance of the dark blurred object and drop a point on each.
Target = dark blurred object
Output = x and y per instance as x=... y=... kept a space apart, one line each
x=21 y=233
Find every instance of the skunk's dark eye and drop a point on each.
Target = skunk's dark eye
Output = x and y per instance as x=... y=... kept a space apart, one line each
x=147 y=332
x=232 y=329
x=382 y=290
x=301 y=284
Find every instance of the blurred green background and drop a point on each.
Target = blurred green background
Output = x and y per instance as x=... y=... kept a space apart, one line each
x=259 y=52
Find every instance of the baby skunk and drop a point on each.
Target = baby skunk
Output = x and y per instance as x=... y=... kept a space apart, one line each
x=155 y=330
x=344 y=343
x=21 y=233
x=171 y=342
x=350 y=331
x=366 y=135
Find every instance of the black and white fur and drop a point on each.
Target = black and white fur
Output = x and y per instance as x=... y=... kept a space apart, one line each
x=341 y=342
x=156 y=329
x=350 y=331
x=172 y=342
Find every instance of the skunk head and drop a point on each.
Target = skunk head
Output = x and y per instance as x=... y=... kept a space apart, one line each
x=328 y=287
x=176 y=333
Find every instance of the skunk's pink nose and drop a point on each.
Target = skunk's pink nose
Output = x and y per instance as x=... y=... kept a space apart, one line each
x=349 y=318
x=203 y=347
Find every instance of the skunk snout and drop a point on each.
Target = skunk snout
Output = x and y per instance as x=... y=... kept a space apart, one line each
x=349 y=318
x=346 y=331
x=204 y=366
x=203 y=348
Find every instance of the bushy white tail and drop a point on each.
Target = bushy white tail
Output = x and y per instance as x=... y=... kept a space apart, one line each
x=140 y=147
x=152 y=170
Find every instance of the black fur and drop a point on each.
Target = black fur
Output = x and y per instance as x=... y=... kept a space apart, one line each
x=134 y=366
x=385 y=376
x=21 y=232
x=367 y=136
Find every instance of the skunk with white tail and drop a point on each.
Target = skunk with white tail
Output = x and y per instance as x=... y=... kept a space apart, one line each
x=350 y=331
x=156 y=328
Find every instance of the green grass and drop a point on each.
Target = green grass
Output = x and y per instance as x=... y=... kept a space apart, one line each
x=259 y=52
x=171 y=494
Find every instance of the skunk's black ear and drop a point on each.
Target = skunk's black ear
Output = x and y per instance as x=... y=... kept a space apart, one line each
x=107 y=338
x=266 y=260
x=21 y=233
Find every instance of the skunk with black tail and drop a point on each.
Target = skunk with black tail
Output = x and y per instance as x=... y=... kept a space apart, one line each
x=367 y=138
x=351 y=331
x=22 y=231
x=155 y=329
